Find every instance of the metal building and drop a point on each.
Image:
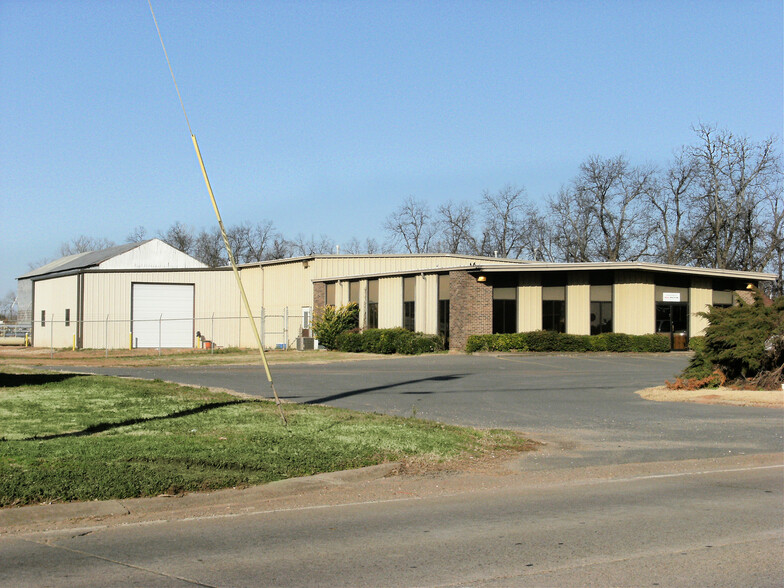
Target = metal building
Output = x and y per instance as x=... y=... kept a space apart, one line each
x=151 y=295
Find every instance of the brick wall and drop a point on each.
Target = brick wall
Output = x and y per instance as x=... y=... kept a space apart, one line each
x=470 y=309
x=319 y=296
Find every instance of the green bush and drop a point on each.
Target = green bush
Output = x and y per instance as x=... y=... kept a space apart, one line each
x=551 y=341
x=331 y=322
x=388 y=341
x=735 y=340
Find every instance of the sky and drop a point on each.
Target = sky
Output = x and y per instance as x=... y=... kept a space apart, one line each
x=323 y=117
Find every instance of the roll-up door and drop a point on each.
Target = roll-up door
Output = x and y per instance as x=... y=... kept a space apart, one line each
x=162 y=315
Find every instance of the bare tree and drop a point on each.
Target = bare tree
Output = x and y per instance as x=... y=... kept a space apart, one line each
x=671 y=212
x=322 y=244
x=180 y=237
x=83 y=244
x=455 y=223
x=738 y=181
x=573 y=226
x=411 y=224
x=209 y=248
x=504 y=222
x=137 y=235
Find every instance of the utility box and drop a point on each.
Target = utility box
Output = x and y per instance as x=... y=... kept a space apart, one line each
x=306 y=343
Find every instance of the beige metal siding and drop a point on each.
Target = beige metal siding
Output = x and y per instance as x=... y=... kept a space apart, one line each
x=578 y=304
x=634 y=308
x=390 y=302
x=700 y=298
x=53 y=297
x=218 y=312
x=426 y=317
x=529 y=302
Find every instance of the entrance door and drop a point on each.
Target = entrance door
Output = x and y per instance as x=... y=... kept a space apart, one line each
x=672 y=318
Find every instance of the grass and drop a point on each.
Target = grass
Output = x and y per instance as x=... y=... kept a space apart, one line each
x=37 y=356
x=68 y=437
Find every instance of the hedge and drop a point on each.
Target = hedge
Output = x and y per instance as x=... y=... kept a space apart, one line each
x=388 y=341
x=552 y=341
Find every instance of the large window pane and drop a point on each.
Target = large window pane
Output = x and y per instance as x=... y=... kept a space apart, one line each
x=554 y=315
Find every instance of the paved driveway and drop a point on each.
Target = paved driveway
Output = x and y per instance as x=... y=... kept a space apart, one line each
x=583 y=406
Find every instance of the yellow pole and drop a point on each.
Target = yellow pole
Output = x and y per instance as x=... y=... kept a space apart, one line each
x=244 y=296
x=73 y=348
x=130 y=340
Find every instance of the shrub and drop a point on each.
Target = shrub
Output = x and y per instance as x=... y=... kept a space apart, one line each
x=388 y=341
x=331 y=322
x=735 y=340
x=552 y=341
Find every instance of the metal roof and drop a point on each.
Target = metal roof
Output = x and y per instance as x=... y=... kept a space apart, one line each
x=81 y=260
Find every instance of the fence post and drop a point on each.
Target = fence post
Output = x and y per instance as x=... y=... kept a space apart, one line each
x=160 y=320
x=212 y=335
x=286 y=326
x=106 y=336
x=51 y=337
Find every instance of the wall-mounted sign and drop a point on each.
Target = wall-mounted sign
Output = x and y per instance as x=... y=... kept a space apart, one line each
x=671 y=296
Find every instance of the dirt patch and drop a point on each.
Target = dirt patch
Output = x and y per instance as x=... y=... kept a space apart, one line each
x=37 y=356
x=728 y=396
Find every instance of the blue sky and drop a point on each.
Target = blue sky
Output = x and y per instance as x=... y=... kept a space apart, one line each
x=324 y=116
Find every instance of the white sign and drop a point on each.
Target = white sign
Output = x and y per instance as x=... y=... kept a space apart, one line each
x=671 y=297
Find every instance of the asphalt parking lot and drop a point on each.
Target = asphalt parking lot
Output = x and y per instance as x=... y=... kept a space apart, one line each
x=583 y=406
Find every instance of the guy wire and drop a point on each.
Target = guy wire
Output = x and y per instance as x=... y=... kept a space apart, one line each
x=222 y=229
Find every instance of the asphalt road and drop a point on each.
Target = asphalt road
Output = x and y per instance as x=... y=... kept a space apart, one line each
x=584 y=406
x=719 y=528
x=627 y=492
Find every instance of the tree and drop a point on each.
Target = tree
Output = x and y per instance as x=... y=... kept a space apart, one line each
x=312 y=245
x=179 y=236
x=83 y=244
x=411 y=224
x=455 y=223
x=504 y=222
x=673 y=224
x=739 y=184
x=137 y=234
x=573 y=227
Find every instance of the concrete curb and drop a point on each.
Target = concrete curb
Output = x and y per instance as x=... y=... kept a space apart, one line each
x=44 y=514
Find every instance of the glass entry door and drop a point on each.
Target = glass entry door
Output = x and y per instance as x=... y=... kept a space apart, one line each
x=672 y=318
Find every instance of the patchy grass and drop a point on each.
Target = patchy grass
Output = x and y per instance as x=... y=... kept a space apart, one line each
x=67 y=437
x=37 y=356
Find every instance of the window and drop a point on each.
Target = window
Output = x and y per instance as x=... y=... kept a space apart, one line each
x=372 y=305
x=67 y=317
x=554 y=308
x=331 y=294
x=409 y=296
x=43 y=318
x=353 y=291
x=504 y=309
x=601 y=309
x=722 y=298
x=554 y=315
x=443 y=307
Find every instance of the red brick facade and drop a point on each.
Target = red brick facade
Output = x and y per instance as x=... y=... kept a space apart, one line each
x=319 y=296
x=470 y=309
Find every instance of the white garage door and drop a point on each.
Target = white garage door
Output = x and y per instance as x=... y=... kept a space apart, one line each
x=162 y=315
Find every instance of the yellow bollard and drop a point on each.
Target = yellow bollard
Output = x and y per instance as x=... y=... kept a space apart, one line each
x=74 y=344
x=27 y=339
x=130 y=340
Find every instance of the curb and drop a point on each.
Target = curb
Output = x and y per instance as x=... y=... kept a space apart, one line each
x=43 y=514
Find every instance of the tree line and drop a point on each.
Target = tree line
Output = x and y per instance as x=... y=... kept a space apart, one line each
x=717 y=203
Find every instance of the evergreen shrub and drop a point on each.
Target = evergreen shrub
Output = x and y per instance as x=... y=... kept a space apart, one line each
x=387 y=341
x=563 y=342
x=331 y=322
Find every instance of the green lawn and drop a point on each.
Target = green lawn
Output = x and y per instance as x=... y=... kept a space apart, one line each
x=68 y=438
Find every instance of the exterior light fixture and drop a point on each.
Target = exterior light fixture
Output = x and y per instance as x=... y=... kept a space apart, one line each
x=481 y=278
x=750 y=286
